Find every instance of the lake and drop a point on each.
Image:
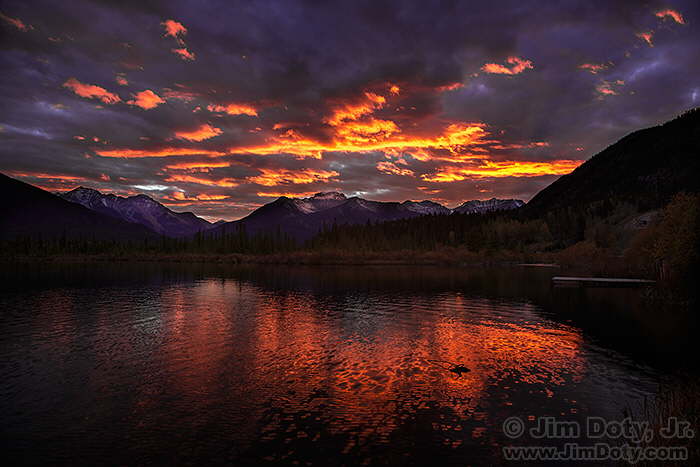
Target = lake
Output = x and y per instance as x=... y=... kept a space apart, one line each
x=195 y=364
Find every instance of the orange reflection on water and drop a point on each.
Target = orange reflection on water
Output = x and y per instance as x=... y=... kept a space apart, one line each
x=361 y=365
x=373 y=367
x=197 y=344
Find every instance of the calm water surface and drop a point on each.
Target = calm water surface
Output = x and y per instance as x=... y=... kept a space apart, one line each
x=137 y=364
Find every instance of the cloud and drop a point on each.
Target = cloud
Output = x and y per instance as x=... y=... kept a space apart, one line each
x=392 y=169
x=647 y=37
x=153 y=187
x=174 y=29
x=453 y=140
x=162 y=152
x=367 y=104
x=669 y=13
x=488 y=169
x=146 y=100
x=233 y=109
x=16 y=22
x=275 y=177
x=47 y=176
x=372 y=130
x=91 y=91
x=184 y=53
x=180 y=196
x=181 y=94
x=518 y=66
x=450 y=87
x=203 y=132
x=593 y=68
x=223 y=182
x=292 y=193
x=607 y=88
x=203 y=166
x=121 y=80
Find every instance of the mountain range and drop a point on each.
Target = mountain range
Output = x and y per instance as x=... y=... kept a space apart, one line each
x=32 y=211
x=140 y=209
x=301 y=218
x=28 y=211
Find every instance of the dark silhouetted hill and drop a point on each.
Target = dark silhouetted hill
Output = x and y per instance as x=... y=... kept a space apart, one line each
x=30 y=211
x=645 y=168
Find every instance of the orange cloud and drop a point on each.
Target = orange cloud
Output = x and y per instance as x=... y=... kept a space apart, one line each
x=197 y=166
x=533 y=145
x=450 y=87
x=395 y=90
x=593 y=68
x=518 y=66
x=492 y=169
x=606 y=87
x=365 y=132
x=393 y=169
x=163 y=152
x=669 y=13
x=174 y=29
x=233 y=109
x=274 y=177
x=352 y=111
x=91 y=91
x=205 y=131
x=285 y=125
x=454 y=139
x=146 y=100
x=16 y=22
x=647 y=37
x=184 y=53
x=46 y=176
x=180 y=196
x=277 y=194
x=121 y=80
x=224 y=182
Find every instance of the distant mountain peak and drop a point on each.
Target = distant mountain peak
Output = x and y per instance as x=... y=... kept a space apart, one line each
x=82 y=189
x=332 y=195
x=488 y=205
x=139 y=209
x=426 y=207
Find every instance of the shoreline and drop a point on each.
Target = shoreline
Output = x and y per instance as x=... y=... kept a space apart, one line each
x=612 y=267
x=432 y=258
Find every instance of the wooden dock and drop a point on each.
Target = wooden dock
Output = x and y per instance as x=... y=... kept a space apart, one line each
x=564 y=281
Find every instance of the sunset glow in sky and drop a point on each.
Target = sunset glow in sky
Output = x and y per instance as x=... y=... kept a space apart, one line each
x=216 y=107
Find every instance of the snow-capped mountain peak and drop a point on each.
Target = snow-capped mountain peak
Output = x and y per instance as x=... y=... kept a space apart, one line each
x=489 y=205
x=426 y=207
x=328 y=195
x=139 y=209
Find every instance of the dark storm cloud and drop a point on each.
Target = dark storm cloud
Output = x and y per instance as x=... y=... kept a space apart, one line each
x=391 y=100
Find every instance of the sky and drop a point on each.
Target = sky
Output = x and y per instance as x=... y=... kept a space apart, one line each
x=218 y=107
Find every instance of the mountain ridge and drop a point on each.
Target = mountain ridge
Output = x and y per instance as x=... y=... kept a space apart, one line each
x=302 y=218
x=30 y=211
x=140 y=209
x=657 y=162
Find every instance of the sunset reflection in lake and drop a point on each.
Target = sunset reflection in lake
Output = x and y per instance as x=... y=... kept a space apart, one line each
x=295 y=365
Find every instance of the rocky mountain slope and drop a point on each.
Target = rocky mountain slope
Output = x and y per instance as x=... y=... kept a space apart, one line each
x=139 y=209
